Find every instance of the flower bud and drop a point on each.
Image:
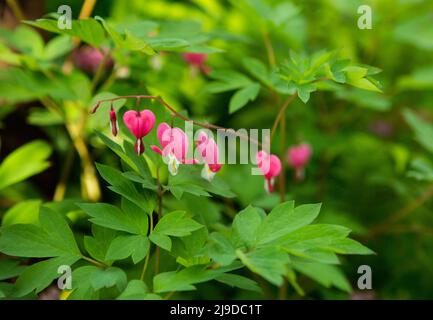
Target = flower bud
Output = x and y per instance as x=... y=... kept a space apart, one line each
x=113 y=122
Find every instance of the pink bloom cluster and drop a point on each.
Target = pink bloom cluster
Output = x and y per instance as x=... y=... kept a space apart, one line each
x=174 y=146
x=173 y=142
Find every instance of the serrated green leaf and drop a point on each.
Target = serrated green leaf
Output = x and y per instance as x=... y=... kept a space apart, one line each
x=285 y=218
x=326 y=275
x=137 y=290
x=246 y=226
x=97 y=245
x=235 y=280
x=122 y=247
x=121 y=185
x=126 y=40
x=185 y=279
x=110 y=216
x=88 y=30
x=221 y=250
x=38 y=276
x=243 y=96
x=161 y=240
x=257 y=69
x=176 y=224
x=53 y=238
x=269 y=262
x=107 y=278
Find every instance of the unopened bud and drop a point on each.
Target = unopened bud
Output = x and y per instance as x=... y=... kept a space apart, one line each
x=113 y=122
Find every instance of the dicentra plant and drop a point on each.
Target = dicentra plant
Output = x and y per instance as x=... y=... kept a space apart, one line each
x=146 y=245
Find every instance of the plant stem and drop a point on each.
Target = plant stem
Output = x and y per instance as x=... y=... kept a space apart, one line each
x=283 y=108
x=96 y=263
x=269 y=49
x=90 y=183
x=16 y=9
x=169 y=295
x=280 y=119
x=59 y=193
x=146 y=261
x=282 y=152
x=87 y=8
x=282 y=292
x=176 y=114
x=157 y=250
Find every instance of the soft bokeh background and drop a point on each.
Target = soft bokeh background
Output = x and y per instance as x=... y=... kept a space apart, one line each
x=372 y=153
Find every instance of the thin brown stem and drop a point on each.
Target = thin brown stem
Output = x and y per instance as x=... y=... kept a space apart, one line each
x=177 y=115
x=283 y=108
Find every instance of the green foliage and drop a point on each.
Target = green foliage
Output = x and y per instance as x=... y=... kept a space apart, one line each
x=16 y=166
x=175 y=224
x=51 y=239
x=124 y=246
x=268 y=244
x=88 y=30
x=152 y=234
x=23 y=212
x=110 y=216
x=423 y=130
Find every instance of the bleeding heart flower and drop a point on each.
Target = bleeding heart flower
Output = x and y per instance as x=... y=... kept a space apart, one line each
x=140 y=124
x=87 y=59
x=174 y=145
x=209 y=154
x=298 y=157
x=270 y=165
x=197 y=60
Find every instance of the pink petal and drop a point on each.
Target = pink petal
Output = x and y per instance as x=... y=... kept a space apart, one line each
x=139 y=123
x=298 y=156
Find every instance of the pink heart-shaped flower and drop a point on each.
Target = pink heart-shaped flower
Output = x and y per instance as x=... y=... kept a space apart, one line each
x=139 y=123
